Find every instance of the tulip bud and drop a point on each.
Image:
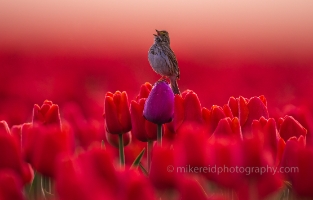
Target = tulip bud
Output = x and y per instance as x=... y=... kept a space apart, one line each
x=159 y=106
x=117 y=115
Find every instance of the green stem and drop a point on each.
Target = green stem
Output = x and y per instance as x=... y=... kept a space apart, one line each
x=121 y=150
x=149 y=151
x=159 y=134
x=36 y=191
x=47 y=185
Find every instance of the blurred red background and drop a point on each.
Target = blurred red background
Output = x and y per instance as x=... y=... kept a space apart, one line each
x=76 y=51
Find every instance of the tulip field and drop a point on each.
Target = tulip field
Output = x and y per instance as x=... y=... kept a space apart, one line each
x=157 y=146
x=84 y=115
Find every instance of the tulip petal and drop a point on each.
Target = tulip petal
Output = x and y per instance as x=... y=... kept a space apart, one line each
x=243 y=110
x=233 y=105
x=217 y=114
x=257 y=109
x=223 y=129
x=137 y=120
x=123 y=113
x=192 y=108
x=112 y=123
x=4 y=128
x=227 y=111
x=145 y=90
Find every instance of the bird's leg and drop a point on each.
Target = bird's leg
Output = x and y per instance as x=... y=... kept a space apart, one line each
x=163 y=78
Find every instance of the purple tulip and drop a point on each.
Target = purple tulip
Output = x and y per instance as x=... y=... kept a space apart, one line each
x=159 y=106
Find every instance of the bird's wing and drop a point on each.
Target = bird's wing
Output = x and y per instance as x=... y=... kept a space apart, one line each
x=171 y=60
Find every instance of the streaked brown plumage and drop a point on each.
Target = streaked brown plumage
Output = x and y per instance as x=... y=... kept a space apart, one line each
x=163 y=60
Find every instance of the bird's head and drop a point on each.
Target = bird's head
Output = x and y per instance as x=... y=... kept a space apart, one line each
x=163 y=35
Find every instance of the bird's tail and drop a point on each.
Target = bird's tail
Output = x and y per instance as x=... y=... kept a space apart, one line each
x=174 y=86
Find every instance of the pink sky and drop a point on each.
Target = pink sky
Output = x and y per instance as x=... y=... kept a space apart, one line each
x=231 y=29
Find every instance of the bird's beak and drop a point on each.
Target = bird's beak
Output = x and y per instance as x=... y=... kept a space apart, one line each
x=155 y=35
x=158 y=32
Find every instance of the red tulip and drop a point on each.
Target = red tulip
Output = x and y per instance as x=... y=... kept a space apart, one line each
x=290 y=154
x=69 y=180
x=262 y=183
x=298 y=159
x=47 y=114
x=10 y=186
x=49 y=144
x=290 y=127
x=212 y=117
x=187 y=108
x=11 y=157
x=224 y=153
x=257 y=108
x=100 y=173
x=117 y=115
x=144 y=92
x=162 y=171
x=304 y=116
x=142 y=129
x=89 y=175
x=254 y=156
x=228 y=128
x=268 y=135
x=248 y=110
x=301 y=180
x=190 y=146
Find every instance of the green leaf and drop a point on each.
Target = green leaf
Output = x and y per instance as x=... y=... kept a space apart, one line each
x=143 y=170
x=138 y=159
